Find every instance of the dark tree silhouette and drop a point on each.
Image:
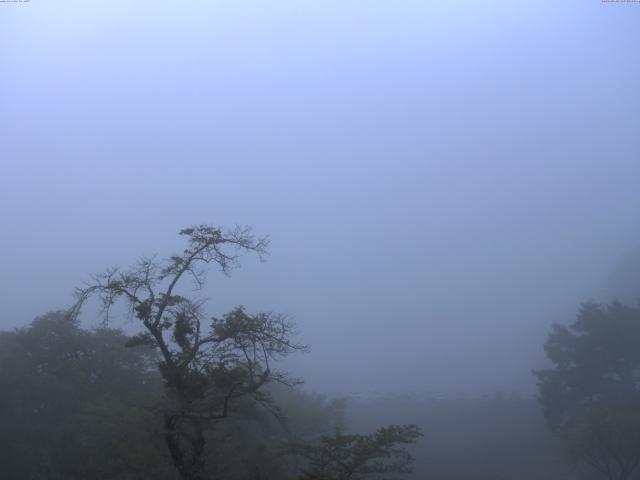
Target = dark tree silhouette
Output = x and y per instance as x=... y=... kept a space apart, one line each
x=591 y=396
x=377 y=456
x=68 y=394
x=206 y=365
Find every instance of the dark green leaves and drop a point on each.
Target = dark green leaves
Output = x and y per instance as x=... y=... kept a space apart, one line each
x=591 y=395
x=380 y=455
x=139 y=340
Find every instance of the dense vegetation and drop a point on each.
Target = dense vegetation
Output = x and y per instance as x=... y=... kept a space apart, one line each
x=591 y=396
x=191 y=397
x=187 y=396
x=79 y=404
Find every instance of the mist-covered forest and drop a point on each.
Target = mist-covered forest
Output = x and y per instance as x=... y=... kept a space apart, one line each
x=335 y=240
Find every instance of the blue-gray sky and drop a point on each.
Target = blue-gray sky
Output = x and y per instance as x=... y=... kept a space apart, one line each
x=440 y=180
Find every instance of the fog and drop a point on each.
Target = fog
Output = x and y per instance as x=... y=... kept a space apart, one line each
x=440 y=181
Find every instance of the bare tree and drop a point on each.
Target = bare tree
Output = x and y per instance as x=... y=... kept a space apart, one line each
x=206 y=364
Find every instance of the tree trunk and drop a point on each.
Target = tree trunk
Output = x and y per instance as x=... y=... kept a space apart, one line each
x=186 y=443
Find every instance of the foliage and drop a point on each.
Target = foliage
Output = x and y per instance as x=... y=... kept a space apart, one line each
x=359 y=457
x=499 y=436
x=308 y=415
x=248 y=444
x=207 y=366
x=68 y=394
x=76 y=404
x=187 y=395
x=591 y=396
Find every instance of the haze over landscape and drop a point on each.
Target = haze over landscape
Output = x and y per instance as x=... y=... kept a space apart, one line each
x=440 y=181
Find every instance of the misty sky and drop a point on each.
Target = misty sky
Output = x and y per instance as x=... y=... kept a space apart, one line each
x=440 y=180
